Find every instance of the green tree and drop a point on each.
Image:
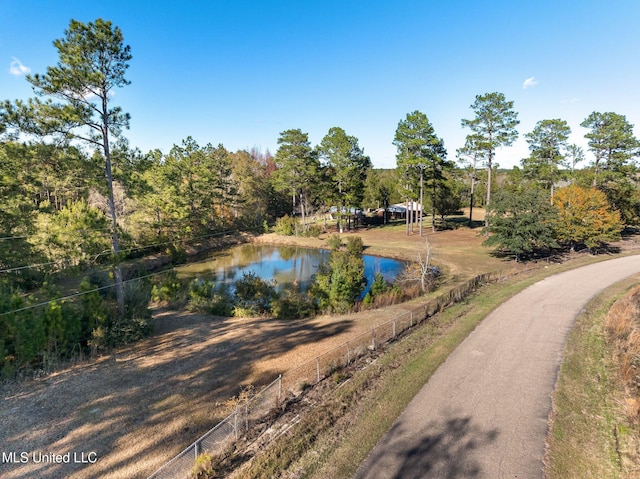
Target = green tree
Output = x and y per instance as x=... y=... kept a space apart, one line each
x=18 y=210
x=92 y=62
x=189 y=191
x=548 y=146
x=381 y=190
x=422 y=151
x=521 y=222
x=471 y=155
x=495 y=126
x=575 y=155
x=614 y=146
x=254 y=295
x=225 y=194
x=297 y=168
x=94 y=314
x=348 y=167
x=74 y=235
x=449 y=196
x=340 y=280
x=612 y=142
x=255 y=192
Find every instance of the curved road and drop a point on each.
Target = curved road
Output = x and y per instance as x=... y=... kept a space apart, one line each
x=484 y=413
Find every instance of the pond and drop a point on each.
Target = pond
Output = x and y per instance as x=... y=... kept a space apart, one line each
x=287 y=265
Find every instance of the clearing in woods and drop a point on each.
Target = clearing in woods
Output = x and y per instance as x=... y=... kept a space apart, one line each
x=139 y=406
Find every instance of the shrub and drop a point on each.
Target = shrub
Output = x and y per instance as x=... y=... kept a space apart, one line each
x=355 y=245
x=100 y=280
x=368 y=299
x=129 y=330
x=177 y=254
x=137 y=295
x=293 y=305
x=393 y=294
x=312 y=231
x=203 y=467
x=205 y=298
x=285 y=226
x=334 y=242
x=253 y=295
x=339 y=281
x=379 y=285
x=167 y=288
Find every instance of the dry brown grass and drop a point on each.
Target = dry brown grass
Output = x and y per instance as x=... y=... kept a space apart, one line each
x=139 y=406
x=623 y=328
x=591 y=435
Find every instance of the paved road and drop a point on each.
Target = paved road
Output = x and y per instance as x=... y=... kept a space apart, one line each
x=484 y=413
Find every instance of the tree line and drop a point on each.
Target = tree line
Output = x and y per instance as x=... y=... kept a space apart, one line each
x=76 y=196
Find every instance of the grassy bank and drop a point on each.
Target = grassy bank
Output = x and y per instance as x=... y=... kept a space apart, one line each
x=331 y=440
x=591 y=437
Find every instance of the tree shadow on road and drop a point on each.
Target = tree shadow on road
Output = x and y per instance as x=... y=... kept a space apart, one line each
x=446 y=450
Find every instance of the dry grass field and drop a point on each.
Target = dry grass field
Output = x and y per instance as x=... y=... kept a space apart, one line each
x=139 y=406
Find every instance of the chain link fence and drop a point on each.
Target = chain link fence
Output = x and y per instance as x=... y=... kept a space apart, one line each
x=225 y=433
x=252 y=410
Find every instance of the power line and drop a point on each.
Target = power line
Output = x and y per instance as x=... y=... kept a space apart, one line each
x=139 y=248
x=20 y=268
x=82 y=293
x=75 y=295
x=128 y=250
x=3 y=238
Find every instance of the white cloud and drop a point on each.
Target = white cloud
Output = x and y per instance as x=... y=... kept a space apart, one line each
x=17 y=68
x=571 y=100
x=530 y=83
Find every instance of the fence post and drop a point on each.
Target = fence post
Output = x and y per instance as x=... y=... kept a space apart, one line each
x=318 y=369
x=373 y=340
x=195 y=448
x=279 y=387
x=394 y=327
x=246 y=415
x=235 y=423
x=348 y=353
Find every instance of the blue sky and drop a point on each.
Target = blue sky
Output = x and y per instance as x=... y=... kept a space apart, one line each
x=240 y=72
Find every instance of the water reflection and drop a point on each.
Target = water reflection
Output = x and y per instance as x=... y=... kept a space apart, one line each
x=288 y=265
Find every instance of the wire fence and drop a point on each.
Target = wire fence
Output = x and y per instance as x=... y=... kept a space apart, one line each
x=254 y=409
x=225 y=433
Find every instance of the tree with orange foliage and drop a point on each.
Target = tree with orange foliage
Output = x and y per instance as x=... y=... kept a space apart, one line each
x=585 y=217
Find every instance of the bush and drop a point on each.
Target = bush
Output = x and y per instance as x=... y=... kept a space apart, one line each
x=168 y=288
x=177 y=254
x=368 y=299
x=379 y=285
x=339 y=281
x=137 y=295
x=293 y=305
x=312 y=231
x=128 y=331
x=203 y=467
x=285 y=226
x=204 y=298
x=100 y=280
x=355 y=245
x=253 y=295
x=334 y=242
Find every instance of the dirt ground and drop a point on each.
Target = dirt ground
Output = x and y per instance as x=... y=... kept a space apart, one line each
x=133 y=410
